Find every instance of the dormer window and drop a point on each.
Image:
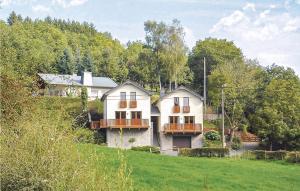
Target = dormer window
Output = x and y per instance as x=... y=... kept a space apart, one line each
x=123 y=96
x=176 y=101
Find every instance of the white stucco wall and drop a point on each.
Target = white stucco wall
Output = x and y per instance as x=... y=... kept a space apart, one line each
x=165 y=106
x=112 y=102
x=143 y=137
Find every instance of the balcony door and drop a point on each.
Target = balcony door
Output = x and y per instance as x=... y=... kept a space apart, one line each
x=120 y=117
x=174 y=122
x=136 y=117
x=189 y=122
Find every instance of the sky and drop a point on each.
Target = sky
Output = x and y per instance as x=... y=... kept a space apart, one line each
x=266 y=30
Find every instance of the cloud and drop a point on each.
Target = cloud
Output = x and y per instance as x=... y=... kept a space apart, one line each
x=5 y=3
x=250 y=6
x=189 y=37
x=68 y=3
x=40 y=8
x=270 y=36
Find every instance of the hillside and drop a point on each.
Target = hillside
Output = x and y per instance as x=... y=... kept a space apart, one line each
x=157 y=172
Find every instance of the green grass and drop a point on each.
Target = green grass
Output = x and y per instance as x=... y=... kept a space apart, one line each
x=208 y=124
x=157 y=172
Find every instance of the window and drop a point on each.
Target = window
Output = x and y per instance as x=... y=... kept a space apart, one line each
x=186 y=101
x=123 y=96
x=174 y=119
x=136 y=115
x=189 y=119
x=120 y=114
x=133 y=96
x=176 y=101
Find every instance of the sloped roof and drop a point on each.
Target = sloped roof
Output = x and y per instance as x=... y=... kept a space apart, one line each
x=183 y=88
x=59 y=79
x=126 y=83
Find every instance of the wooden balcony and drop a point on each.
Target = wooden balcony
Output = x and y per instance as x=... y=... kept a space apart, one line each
x=176 y=109
x=183 y=128
x=186 y=109
x=133 y=104
x=121 y=123
x=123 y=104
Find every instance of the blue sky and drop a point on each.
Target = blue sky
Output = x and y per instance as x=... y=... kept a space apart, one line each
x=267 y=30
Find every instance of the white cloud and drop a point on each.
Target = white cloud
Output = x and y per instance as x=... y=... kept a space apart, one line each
x=68 y=3
x=5 y=3
x=40 y=8
x=272 y=37
x=250 y=6
x=189 y=37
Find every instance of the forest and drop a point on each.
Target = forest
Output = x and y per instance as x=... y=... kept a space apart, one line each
x=262 y=100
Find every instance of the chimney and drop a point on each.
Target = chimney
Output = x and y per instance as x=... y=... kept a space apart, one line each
x=87 y=79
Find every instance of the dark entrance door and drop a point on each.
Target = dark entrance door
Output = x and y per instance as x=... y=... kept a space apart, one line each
x=182 y=141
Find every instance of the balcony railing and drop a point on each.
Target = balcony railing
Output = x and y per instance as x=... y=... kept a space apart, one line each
x=123 y=104
x=121 y=123
x=132 y=104
x=186 y=109
x=183 y=128
x=176 y=109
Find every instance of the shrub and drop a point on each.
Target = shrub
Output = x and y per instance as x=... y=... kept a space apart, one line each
x=150 y=149
x=84 y=135
x=236 y=143
x=204 y=152
x=212 y=144
x=99 y=137
x=212 y=135
x=271 y=155
x=293 y=157
x=131 y=140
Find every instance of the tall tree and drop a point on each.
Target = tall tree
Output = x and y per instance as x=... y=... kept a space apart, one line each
x=216 y=52
x=13 y=18
x=87 y=62
x=65 y=64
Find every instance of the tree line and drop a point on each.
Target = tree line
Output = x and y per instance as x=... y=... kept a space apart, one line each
x=263 y=100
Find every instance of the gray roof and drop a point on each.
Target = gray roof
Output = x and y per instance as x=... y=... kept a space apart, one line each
x=155 y=111
x=75 y=80
x=183 y=88
x=126 y=82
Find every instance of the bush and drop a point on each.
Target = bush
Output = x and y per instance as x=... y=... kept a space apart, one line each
x=212 y=144
x=270 y=155
x=236 y=143
x=99 y=137
x=150 y=149
x=212 y=135
x=204 y=152
x=84 y=135
x=293 y=157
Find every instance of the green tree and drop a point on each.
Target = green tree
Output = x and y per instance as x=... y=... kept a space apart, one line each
x=277 y=113
x=240 y=82
x=84 y=98
x=13 y=18
x=87 y=62
x=216 y=52
x=65 y=64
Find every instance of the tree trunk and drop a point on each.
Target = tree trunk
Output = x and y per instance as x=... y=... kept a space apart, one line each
x=159 y=83
x=170 y=85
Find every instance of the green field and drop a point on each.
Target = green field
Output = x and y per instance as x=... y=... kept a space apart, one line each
x=157 y=172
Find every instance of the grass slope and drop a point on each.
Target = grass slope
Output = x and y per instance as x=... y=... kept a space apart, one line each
x=157 y=172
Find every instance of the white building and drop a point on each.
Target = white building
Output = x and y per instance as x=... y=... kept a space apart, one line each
x=70 y=85
x=127 y=115
x=176 y=120
x=180 y=122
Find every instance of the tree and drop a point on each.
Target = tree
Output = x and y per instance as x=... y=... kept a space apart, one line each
x=240 y=82
x=277 y=114
x=13 y=18
x=84 y=98
x=87 y=62
x=216 y=52
x=65 y=64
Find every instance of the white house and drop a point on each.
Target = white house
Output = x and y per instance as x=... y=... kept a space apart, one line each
x=127 y=115
x=70 y=85
x=176 y=120
x=180 y=122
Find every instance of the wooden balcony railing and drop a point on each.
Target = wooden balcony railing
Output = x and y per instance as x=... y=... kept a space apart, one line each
x=186 y=109
x=183 y=128
x=123 y=104
x=176 y=109
x=121 y=123
x=132 y=104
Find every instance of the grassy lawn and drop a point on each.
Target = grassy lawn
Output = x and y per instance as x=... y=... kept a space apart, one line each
x=157 y=172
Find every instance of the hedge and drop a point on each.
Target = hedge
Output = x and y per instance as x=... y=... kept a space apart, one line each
x=204 y=152
x=293 y=156
x=150 y=149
